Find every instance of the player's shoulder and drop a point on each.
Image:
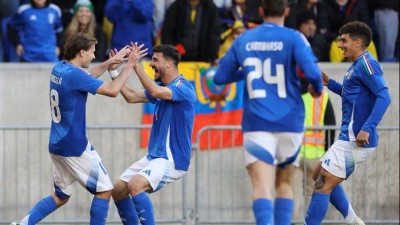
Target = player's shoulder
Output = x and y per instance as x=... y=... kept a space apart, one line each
x=55 y=8
x=367 y=64
x=24 y=7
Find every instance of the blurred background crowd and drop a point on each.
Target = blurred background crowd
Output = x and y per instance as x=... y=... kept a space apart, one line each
x=202 y=30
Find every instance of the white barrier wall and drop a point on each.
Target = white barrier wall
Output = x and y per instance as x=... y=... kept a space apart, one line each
x=24 y=98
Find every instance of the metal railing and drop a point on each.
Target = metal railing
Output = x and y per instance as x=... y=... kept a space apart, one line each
x=223 y=187
x=215 y=191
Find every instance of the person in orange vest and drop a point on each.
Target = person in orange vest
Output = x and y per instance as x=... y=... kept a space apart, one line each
x=318 y=112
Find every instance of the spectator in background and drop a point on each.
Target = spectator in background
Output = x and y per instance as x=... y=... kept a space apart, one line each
x=67 y=10
x=317 y=8
x=306 y=24
x=344 y=11
x=34 y=30
x=230 y=35
x=386 y=18
x=84 y=19
x=160 y=7
x=193 y=27
x=132 y=21
x=239 y=11
x=7 y=9
x=318 y=112
x=223 y=6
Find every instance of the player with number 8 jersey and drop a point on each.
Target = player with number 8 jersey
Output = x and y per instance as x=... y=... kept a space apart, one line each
x=75 y=160
x=273 y=111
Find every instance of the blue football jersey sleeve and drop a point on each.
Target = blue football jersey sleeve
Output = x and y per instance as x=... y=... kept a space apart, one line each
x=84 y=81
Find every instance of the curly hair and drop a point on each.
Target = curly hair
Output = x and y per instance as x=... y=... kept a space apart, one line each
x=357 y=29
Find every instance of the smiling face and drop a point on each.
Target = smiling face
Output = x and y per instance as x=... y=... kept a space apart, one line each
x=159 y=65
x=87 y=56
x=351 y=47
x=84 y=15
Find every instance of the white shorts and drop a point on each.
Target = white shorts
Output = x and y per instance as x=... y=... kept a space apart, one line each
x=343 y=157
x=86 y=169
x=275 y=148
x=159 y=172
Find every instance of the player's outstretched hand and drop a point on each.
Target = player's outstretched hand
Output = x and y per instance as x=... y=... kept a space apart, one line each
x=325 y=79
x=313 y=92
x=118 y=57
x=136 y=54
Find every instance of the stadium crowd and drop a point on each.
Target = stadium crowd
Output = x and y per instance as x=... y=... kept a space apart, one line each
x=202 y=30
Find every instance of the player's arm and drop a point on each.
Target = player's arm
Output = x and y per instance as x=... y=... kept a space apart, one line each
x=132 y=95
x=153 y=89
x=227 y=71
x=112 y=89
x=305 y=58
x=116 y=59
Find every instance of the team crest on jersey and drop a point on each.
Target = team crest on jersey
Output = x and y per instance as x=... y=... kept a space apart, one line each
x=349 y=73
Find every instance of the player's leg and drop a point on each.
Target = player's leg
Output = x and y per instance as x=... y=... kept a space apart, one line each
x=155 y=175
x=262 y=179
x=43 y=208
x=338 y=196
x=283 y=207
x=259 y=159
x=90 y=172
x=143 y=205
x=124 y=203
x=64 y=183
x=287 y=157
x=320 y=198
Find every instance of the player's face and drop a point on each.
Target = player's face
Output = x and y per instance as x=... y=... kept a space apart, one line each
x=84 y=15
x=88 y=56
x=39 y=3
x=158 y=64
x=349 y=47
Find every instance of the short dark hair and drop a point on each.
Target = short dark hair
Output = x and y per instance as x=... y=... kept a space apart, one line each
x=357 y=29
x=77 y=42
x=46 y=4
x=274 y=8
x=169 y=52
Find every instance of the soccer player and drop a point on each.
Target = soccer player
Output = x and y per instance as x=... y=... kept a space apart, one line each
x=169 y=148
x=273 y=114
x=75 y=159
x=365 y=98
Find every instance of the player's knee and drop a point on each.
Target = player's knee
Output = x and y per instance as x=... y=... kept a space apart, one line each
x=135 y=187
x=320 y=185
x=120 y=190
x=104 y=194
x=60 y=200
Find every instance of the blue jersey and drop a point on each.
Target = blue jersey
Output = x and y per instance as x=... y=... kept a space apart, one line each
x=362 y=82
x=69 y=86
x=266 y=57
x=171 y=133
x=37 y=28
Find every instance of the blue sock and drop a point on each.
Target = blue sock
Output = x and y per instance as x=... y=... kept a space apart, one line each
x=127 y=211
x=98 y=211
x=283 y=210
x=43 y=208
x=144 y=208
x=317 y=209
x=341 y=202
x=262 y=209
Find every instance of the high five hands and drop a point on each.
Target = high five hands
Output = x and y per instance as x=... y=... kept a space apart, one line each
x=131 y=54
